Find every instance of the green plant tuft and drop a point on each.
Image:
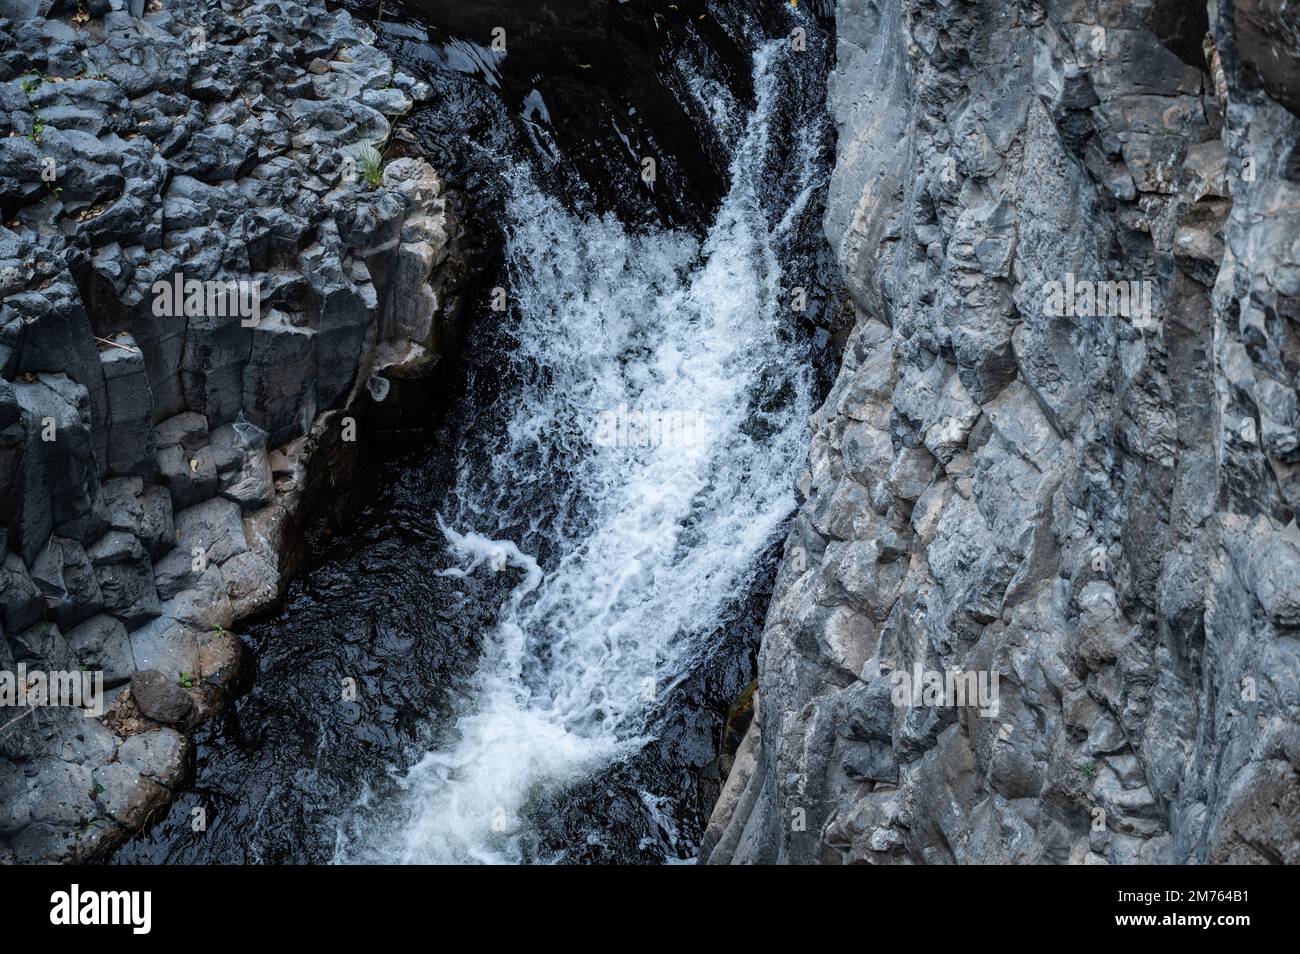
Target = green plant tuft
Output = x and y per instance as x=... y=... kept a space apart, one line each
x=371 y=163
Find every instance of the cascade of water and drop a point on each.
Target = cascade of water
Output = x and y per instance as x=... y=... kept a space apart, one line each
x=659 y=407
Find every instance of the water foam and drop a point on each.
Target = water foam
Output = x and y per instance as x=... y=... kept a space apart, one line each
x=645 y=546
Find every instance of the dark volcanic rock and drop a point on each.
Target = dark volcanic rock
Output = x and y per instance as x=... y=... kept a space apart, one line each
x=1092 y=504
x=159 y=698
x=175 y=304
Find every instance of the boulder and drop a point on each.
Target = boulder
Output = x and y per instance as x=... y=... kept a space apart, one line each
x=160 y=698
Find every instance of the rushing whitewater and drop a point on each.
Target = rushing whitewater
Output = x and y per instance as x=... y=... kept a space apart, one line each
x=626 y=542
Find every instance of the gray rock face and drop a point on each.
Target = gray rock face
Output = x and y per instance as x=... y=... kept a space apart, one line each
x=158 y=754
x=125 y=577
x=67 y=580
x=1025 y=474
x=235 y=283
x=102 y=643
x=130 y=404
x=142 y=510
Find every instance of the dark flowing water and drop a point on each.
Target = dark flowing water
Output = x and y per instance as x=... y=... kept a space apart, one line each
x=547 y=623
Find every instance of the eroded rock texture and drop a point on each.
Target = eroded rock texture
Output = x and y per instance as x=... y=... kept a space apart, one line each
x=1097 y=507
x=150 y=462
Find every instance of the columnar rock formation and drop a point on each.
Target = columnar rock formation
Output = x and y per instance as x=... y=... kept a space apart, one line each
x=155 y=449
x=1022 y=475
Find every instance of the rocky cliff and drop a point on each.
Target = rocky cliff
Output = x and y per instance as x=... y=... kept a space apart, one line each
x=1042 y=598
x=207 y=284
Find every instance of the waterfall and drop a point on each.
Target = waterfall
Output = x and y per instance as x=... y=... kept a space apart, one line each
x=657 y=418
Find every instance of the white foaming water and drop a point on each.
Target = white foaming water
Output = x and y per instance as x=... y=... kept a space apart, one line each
x=647 y=546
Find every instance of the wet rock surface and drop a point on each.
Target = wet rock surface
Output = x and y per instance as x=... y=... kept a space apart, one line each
x=1094 y=505
x=159 y=451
